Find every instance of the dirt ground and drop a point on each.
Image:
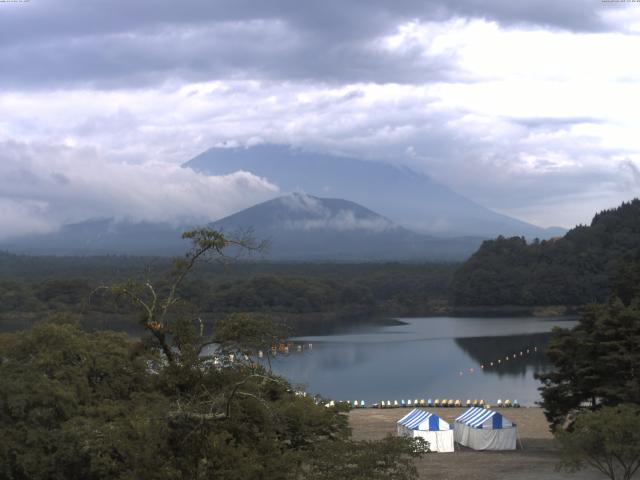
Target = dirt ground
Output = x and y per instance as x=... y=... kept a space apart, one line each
x=535 y=461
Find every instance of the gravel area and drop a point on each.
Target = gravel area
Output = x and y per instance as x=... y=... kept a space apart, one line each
x=535 y=461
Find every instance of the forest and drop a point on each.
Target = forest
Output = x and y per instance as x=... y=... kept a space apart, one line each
x=312 y=296
x=577 y=269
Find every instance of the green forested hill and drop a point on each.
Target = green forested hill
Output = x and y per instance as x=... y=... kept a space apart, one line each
x=307 y=295
x=579 y=268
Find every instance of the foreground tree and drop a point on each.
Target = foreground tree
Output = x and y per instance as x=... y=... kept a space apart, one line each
x=94 y=406
x=607 y=440
x=592 y=398
x=597 y=363
x=162 y=311
x=77 y=405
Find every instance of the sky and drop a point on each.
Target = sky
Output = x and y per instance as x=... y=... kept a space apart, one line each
x=526 y=107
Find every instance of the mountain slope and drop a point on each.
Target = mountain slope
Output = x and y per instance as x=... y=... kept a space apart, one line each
x=579 y=268
x=408 y=198
x=302 y=227
x=298 y=227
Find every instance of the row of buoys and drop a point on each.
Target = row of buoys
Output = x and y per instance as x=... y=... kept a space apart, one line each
x=485 y=366
x=437 y=403
x=402 y=403
x=427 y=403
x=514 y=356
x=421 y=403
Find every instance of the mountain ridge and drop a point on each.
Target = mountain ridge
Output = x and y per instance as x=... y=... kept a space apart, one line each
x=405 y=196
x=299 y=227
x=304 y=227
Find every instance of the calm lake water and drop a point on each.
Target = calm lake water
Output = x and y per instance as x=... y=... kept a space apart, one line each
x=436 y=357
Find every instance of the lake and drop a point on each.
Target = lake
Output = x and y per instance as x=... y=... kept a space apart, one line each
x=435 y=357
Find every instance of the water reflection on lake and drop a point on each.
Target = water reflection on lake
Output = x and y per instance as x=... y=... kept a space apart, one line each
x=438 y=357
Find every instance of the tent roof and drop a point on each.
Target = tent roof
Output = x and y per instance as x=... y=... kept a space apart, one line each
x=475 y=417
x=417 y=417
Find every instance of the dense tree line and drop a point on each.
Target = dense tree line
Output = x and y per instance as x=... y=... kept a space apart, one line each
x=115 y=267
x=576 y=269
x=305 y=293
x=265 y=292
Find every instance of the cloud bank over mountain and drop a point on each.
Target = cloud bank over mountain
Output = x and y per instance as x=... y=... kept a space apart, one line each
x=314 y=214
x=44 y=187
x=528 y=108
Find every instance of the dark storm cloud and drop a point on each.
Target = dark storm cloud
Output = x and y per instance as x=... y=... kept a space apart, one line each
x=253 y=51
x=136 y=44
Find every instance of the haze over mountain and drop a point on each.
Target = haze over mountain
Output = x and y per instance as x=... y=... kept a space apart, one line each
x=298 y=227
x=412 y=217
x=104 y=236
x=411 y=199
x=303 y=227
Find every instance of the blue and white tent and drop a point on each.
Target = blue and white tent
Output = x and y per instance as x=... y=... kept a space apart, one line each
x=424 y=424
x=483 y=429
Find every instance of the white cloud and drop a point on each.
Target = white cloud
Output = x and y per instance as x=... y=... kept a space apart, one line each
x=534 y=120
x=44 y=186
x=22 y=217
x=319 y=216
x=343 y=220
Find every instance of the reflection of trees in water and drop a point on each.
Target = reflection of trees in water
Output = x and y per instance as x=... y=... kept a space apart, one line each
x=489 y=349
x=333 y=323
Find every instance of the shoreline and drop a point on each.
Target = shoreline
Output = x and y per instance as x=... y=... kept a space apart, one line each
x=540 y=311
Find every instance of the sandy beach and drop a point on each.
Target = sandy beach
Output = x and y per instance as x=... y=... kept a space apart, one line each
x=535 y=461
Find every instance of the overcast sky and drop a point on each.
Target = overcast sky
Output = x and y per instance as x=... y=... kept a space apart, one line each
x=527 y=107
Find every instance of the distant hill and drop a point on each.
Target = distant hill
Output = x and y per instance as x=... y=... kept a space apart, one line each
x=410 y=199
x=104 y=236
x=303 y=227
x=581 y=267
x=298 y=227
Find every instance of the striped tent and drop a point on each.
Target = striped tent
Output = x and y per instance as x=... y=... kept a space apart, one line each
x=424 y=424
x=483 y=429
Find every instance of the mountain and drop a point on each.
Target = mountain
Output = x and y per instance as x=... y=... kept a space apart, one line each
x=584 y=266
x=303 y=227
x=411 y=199
x=298 y=227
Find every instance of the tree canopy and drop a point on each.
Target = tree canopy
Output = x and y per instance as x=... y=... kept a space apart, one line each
x=596 y=363
x=592 y=397
x=573 y=270
x=607 y=440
